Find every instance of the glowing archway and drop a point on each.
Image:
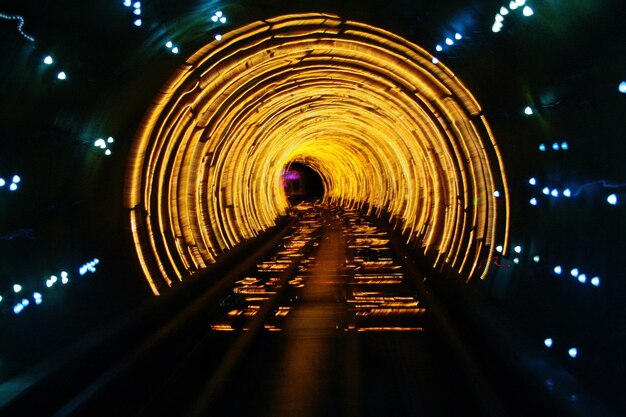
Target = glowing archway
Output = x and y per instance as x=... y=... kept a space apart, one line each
x=369 y=111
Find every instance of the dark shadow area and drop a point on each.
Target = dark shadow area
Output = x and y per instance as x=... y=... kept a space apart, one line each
x=302 y=184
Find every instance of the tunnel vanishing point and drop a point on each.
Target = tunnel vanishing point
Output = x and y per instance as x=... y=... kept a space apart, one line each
x=387 y=127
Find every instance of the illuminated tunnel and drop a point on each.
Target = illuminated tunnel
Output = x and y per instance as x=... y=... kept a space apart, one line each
x=387 y=127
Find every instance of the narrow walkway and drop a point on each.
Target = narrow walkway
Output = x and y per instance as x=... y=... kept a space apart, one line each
x=311 y=332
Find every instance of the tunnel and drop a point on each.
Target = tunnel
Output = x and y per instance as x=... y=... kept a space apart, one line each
x=315 y=208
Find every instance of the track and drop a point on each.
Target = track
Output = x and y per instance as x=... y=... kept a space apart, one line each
x=328 y=324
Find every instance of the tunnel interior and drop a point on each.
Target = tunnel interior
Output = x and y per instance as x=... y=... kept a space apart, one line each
x=302 y=184
x=543 y=94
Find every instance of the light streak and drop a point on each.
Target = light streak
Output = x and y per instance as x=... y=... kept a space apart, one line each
x=367 y=110
x=20 y=25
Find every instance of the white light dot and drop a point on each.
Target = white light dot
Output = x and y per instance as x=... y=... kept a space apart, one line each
x=582 y=278
x=2 y=182
x=595 y=281
x=458 y=36
x=612 y=199
x=564 y=146
x=175 y=50
x=567 y=192
x=110 y=140
x=542 y=147
x=622 y=87
x=532 y=181
x=548 y=342
x=574 y=272
x=218 y=13
x=48 y=60
x=496 y=194
x=64 y=274
x=435 y=60
x=137 y=22
x=516 y=260
x=533 y=201
x=127 y=3
x=17 y=288
x=438 y=48
x=36 y=295
x=214 y=18
x=518 y=249
x=556 y=146
x=528 y=111
x=512 y=5
x=137 y=5
x=558 y=270
x=49 y=283
x=54 y=279
x=554 y=193
x=545 y=190
x=496 y=27
x=65 y=280
x=222 y=19
x=218 y=37
x=520 y=3
x=99 y=143
x=504 y=11
x=25 y=302
x=536 y=258
x=13 y=187
x=169 y=44
x=137 y=12
x=499 y=18
x=499 y=248
x=62 y=75
x=107 y=152
x=449 y=41
x=16 y=179
x=528 y=11
x=573 y=352
x=1 y=298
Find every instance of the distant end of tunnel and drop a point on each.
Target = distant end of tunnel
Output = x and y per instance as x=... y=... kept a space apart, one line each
x=384 y=127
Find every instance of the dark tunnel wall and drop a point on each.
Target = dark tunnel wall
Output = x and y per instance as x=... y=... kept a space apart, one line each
x=566 y=62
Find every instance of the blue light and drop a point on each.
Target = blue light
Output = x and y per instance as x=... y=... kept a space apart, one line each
x=528 y=11
x=556 y=146
x=2 y=182
x=548 y=342
x=622 y=87
x=545 y=190
x=574 y=272
x=558 y=270
x=25 y=302
x=438 y=48
x=612 y=199
x=532 y=181
x=36 y=295
x=565 y=146
x=567 y=192
x=582 y=278
x=573 y=352
x=542 y=147
x=17 y=309
x=449 y=41
x=554 y=193
x=38 y=301
x=595 y=281
x=533 y=201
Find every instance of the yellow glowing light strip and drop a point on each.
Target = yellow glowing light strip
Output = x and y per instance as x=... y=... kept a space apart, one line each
x=366 y=109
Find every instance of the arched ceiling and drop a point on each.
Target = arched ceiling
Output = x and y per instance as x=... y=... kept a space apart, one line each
x=387 y=127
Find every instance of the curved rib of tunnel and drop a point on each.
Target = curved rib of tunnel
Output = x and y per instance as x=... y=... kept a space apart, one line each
x=387 y=130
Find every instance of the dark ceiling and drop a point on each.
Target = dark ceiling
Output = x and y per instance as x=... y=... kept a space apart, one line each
x=566 y=61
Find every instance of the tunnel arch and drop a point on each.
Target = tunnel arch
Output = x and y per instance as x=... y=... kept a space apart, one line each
x=386 y=128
